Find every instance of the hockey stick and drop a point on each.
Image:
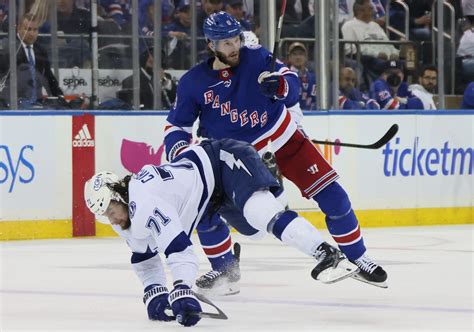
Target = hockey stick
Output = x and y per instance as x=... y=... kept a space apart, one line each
x=220 y=314
x=237 y=251
x=277 y=36
x=392 y=131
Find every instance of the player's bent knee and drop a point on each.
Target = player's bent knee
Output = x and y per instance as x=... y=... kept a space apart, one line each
x=260 y=208
x=334 y=201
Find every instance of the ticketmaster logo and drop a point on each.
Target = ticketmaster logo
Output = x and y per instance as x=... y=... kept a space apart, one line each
x=418 y=160
x=83 y=138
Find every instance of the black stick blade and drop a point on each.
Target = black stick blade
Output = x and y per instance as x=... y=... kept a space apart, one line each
x=392 y=131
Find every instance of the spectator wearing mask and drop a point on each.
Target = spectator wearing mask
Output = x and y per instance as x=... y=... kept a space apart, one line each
x=351 y=98
x=426 y=87
x=297 y=60
x=391 y=92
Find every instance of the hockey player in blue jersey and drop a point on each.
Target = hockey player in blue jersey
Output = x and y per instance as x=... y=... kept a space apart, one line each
x=234 y=94
x=157 y=210
x=391 y=92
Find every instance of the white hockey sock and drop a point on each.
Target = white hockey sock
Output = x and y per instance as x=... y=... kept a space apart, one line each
x=302 y=235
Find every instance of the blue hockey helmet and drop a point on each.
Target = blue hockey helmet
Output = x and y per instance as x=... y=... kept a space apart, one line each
x=220 y=26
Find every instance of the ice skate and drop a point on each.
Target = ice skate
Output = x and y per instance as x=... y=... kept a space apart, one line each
x=332 y=265
x=370 y=272
x=223 y=282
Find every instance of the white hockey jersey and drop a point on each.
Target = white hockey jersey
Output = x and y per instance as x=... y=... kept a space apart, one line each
x=165 y=201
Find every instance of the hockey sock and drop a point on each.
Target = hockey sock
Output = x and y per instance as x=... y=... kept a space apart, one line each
x=296 y=232
x=216 y=242
x=341 y=221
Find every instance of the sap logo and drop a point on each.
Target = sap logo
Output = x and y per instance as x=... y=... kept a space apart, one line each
x=13 y=169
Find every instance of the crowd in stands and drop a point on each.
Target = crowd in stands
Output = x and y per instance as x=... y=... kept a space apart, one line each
x=376 y=70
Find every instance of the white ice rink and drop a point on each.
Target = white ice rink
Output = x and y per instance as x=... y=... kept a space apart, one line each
x=88 y=285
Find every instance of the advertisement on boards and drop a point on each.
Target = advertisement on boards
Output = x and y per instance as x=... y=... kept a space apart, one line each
x=35 y=168
x=428 y=153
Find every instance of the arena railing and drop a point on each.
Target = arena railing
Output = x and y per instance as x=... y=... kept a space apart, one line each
x=388 y=28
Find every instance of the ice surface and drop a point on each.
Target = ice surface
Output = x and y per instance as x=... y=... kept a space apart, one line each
x=87 y=284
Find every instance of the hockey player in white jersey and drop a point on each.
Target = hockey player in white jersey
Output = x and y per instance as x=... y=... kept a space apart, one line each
x=157 y=210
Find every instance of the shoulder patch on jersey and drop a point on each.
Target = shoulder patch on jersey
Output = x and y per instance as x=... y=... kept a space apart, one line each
x=132 y=208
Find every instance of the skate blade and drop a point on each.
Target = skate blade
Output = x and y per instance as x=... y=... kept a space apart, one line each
x=343 y=270
x=382 y=284
x=222 y=290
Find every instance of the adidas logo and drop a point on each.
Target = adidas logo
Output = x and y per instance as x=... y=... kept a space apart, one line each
x=83 y=138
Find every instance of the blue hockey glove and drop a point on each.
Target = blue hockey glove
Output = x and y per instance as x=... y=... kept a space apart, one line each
x=185 y=305
x=156 y=301
x=273 y=85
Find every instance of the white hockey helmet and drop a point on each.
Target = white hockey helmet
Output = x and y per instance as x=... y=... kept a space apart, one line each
x=98 y=195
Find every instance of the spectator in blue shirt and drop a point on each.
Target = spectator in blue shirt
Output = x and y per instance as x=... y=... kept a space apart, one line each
x=351 y=98
x=297 y=60
x=391 y=92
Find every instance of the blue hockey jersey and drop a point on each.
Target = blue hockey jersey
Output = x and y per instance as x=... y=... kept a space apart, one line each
x=229 y=104
x=356 y=100
x=382 y=93
x=307 y=91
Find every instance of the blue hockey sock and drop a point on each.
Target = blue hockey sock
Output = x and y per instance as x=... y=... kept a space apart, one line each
x=215 y=239
x=341 y=220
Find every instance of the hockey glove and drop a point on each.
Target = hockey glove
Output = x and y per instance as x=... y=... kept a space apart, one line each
x=156 y=301
x=273 y=85
x=185 y=305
